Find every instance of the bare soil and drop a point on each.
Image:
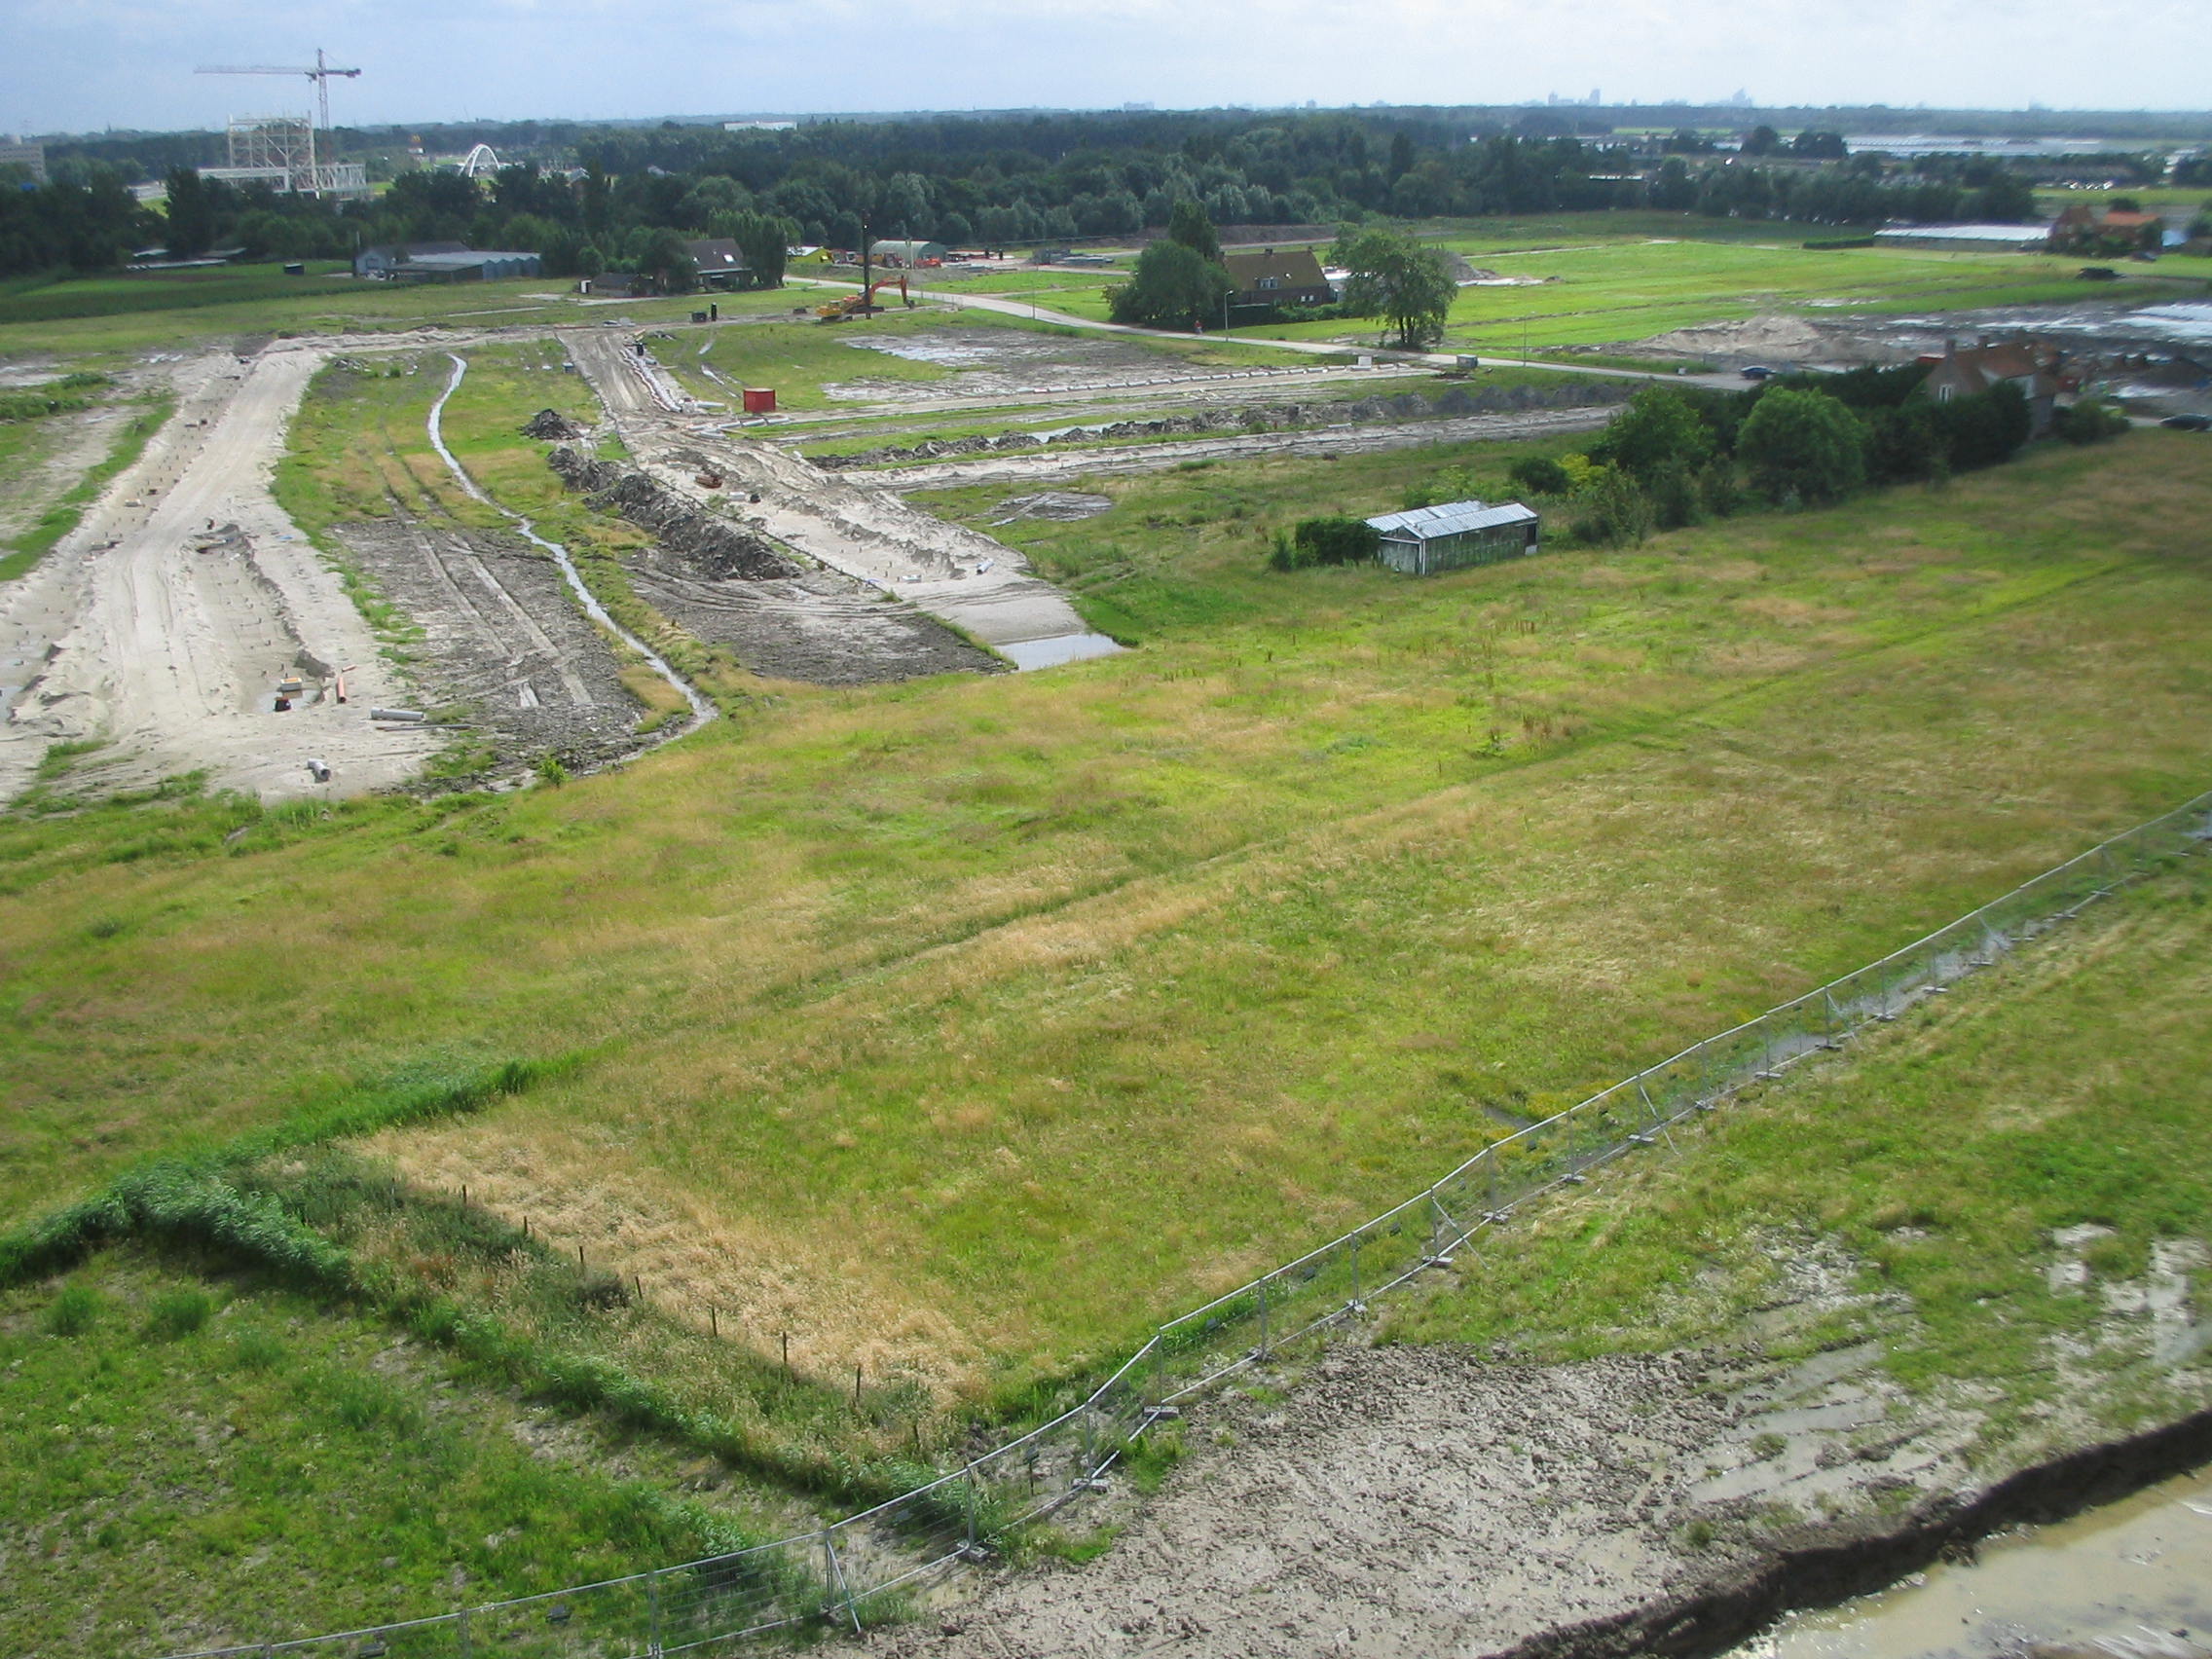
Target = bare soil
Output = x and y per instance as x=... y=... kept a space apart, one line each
x=169 y=646
x=1055 y=465
x=1409 y=1502
x=505 y=649
x=778 y=498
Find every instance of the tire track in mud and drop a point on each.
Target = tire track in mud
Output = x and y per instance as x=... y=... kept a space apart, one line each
x=702 y=708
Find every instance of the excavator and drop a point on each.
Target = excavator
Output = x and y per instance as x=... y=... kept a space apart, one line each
x=863 y=304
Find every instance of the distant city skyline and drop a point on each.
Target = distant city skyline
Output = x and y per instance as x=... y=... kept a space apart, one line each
x=84 y=66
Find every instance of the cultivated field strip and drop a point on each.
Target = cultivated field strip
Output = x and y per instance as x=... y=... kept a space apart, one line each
x=858 y=1570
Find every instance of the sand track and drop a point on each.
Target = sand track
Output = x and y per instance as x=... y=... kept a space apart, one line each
x=167 y=641
x=951 y=571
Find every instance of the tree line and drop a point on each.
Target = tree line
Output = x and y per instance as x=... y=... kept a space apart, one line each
x=999 y=182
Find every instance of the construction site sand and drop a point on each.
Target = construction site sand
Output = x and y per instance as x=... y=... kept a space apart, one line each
x=171 y=655
x=1788 y=338
x=949 y=571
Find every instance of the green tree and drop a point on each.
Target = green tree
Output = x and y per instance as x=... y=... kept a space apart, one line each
x=1657 y=432
x=1396 y=279
x=1762 y=141
x=1803 y=444
x=1171 y=287
x=191 y=215
x=661 y=256
x=1188 y=224
x=764 y=240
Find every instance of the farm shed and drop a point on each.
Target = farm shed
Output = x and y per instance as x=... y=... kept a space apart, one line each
x=1423 y=541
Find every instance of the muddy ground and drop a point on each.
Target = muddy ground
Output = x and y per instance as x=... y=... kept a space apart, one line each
x=784 y=615
x=506 y=651
x=1399 y=1503
x=818 y=626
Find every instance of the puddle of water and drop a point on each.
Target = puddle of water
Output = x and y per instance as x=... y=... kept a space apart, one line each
x=1060 y=648
x=2132 y=1580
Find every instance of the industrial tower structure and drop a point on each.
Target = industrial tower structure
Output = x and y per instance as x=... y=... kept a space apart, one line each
x=279 y=150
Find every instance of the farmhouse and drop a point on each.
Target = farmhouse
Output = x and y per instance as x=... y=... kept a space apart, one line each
x=721 y=262
x=1968 y=372
x=1423 y=541
x=1290 y=278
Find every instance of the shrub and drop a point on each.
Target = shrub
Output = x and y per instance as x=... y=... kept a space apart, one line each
x=179 y=1313
x=1540 y=475
x=1326 y=541
x=73 y=1312
x=2088 y=423
x=1986 y=429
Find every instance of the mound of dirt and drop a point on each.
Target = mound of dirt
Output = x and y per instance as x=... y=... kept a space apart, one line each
x=718 y=548
x=1789 y=338
x=550 y=424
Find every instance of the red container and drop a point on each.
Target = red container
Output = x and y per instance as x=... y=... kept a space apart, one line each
x=760 y=400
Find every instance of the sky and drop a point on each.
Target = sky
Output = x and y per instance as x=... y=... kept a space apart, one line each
x=81 y=65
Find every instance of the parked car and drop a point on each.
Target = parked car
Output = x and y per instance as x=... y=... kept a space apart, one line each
x=2189 y=422
x=1758 y=371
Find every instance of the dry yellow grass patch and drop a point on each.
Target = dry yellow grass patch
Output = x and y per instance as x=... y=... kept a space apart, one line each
x=819 y=1287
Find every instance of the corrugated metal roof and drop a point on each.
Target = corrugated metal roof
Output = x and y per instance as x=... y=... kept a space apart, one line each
x=1453 y=518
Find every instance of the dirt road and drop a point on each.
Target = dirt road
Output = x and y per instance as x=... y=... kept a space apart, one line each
x=186 y=594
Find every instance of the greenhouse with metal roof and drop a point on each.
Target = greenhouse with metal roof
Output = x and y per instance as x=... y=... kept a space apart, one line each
x=1423 y=541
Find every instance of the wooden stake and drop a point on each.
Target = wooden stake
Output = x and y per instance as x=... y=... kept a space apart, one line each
x=856 y=1384
x=713 y=1324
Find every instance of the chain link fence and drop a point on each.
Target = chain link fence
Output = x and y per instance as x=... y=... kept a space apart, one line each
x=870 y=1567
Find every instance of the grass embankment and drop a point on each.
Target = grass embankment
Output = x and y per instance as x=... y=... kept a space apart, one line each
x=959 y=1028
x=2067 y=1088
x=204 y=1462
x=59 y=520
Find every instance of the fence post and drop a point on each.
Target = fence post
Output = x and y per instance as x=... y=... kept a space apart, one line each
x=835 y=1574
x=1355 y=1304
x=1263 y=1317
x=652 y=1616
x=1160 y=1365
x=460 y=1629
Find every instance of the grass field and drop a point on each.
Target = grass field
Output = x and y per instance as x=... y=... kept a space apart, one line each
x=202 y=1462
x=1248 y=928
x=106 y=315
x=957 y=1030
x=2070 y=1089
x=799 y=359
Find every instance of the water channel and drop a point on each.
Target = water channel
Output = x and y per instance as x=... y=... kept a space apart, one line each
x=2132 y=1580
